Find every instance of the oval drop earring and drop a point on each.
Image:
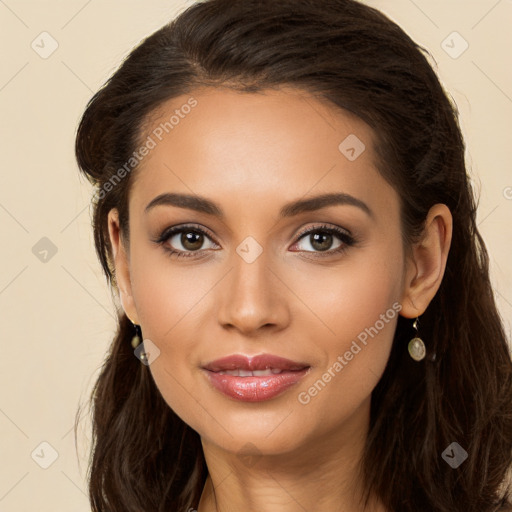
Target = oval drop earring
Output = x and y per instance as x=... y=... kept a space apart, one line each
x=136 y=338
x=416 y=346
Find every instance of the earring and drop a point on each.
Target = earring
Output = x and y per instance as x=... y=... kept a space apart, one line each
x=136 y=338
x=416 y=346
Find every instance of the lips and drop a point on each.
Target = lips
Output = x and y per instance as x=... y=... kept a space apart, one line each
x=254 y=364
x=254 y=379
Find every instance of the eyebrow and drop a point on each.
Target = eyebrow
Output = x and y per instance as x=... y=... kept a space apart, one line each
x=204 y=205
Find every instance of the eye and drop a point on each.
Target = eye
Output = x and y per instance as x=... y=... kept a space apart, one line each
x=320 y=239
x=190 y=237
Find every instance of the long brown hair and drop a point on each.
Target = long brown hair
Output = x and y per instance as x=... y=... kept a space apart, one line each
x=144 y=457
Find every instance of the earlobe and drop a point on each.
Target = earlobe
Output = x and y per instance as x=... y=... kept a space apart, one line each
x=121 y=265
x=427 y=263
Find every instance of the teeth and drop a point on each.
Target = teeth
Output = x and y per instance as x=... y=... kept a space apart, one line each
x=260 y=373
x=247 y=373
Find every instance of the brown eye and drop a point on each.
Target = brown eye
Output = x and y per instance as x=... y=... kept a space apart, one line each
x=191 y=240
x=320 y=240
x=184 y=240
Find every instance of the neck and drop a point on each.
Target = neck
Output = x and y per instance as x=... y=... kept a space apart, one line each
x=325 y=475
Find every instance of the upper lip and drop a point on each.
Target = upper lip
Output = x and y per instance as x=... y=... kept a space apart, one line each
x=251 y=363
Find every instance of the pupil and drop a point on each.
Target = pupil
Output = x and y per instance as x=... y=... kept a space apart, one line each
x=187 y=240
x=326 y=237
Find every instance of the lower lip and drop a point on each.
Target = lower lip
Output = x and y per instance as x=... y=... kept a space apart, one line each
x=255 y=389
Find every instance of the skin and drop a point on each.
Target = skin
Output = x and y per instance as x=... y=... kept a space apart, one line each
x=251 y=154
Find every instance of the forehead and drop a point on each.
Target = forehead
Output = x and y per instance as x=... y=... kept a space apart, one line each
x=247 y=149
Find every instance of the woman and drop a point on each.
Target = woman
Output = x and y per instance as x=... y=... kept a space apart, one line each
x=283 y=207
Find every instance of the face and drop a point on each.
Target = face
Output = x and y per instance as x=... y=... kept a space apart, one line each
x=319 y=284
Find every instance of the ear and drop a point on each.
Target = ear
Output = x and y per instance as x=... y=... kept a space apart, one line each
x=426 y=265
x=122 y=266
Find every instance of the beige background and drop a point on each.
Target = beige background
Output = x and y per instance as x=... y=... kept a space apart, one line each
x=57 y=315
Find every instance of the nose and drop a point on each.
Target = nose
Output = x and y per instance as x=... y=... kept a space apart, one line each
x=253 y=297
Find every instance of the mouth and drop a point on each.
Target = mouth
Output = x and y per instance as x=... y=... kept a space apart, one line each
x=255 y=373
x=254 y=379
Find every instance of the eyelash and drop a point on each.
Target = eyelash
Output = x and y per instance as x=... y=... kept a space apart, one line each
x=346 y=239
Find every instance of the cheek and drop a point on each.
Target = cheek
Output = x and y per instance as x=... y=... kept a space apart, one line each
x=166 y=294
x=358 y=309
x=352 y=296
x=172 y=304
